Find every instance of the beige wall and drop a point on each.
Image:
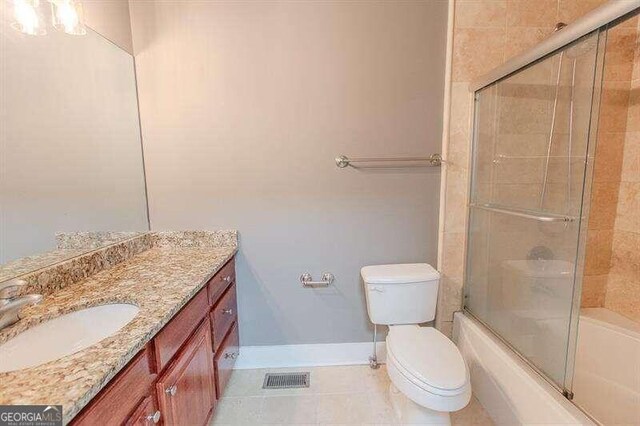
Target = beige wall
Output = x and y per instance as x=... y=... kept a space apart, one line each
x=485 y=34
x=110 y=18
x=245 y=105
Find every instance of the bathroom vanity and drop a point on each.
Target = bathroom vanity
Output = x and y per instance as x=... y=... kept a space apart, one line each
x=170 y=363
x=181 y=372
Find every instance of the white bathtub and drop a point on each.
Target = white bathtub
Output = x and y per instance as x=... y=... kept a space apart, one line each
x=607 y=372
x=510 y=391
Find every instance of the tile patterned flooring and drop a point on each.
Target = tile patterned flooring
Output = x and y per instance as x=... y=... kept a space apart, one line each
x=337 y=395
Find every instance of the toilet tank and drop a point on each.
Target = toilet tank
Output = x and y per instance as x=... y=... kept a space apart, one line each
x=402 y=293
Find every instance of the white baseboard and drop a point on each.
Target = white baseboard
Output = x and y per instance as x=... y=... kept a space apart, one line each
x=308 y=355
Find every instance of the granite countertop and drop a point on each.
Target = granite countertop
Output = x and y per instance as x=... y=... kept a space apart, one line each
x=160 y=281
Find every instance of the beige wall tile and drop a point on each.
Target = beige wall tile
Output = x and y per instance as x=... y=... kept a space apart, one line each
x=449 y=300
x=525 y=196
x=461 y=104
x=527 y=114
x=476 y=51
x=453 y=260
x=633 y=117
x=609 y=153
x=526 y=13
x=625 y=253
x=570 y=10
x=480 y=13
x=458 y=151
x=594 y=288
x=527 y=170
x=619 y=54
x=518 y=144
x=631 y=158
x=520 y=39
x=614 y=107
x=604 y=200
x=628 y=211
x=598 y=256
x=455 y=198
x=623 y=296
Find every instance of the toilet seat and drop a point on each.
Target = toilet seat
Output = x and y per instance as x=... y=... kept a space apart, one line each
x=427 y=367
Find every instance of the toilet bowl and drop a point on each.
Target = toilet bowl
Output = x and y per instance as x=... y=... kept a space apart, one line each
x=429 y=378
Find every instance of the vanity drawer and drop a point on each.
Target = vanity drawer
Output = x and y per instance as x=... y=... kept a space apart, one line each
x=118 y=400
x=221 y=280
x=169 y=340
x=223 y=315
x=225 y=358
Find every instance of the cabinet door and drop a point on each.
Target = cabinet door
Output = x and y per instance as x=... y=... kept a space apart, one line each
x=186 y=391
x=146 y=414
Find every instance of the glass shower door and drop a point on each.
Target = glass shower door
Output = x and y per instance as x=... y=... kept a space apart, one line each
x=531 y=139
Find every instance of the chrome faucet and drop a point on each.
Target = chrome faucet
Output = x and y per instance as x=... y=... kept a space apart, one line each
x=11 y=304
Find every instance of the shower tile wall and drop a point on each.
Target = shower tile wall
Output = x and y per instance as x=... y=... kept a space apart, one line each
x=485 y=34
x=622 y=293
x=613 y=221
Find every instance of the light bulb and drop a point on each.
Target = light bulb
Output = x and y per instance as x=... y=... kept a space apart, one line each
x=67 y=17
x=27 y=19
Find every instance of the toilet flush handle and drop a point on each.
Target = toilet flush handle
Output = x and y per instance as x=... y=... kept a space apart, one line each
x=376 y=289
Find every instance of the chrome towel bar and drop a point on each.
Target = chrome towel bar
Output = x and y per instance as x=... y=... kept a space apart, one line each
x=434 y=160
x=527 y=214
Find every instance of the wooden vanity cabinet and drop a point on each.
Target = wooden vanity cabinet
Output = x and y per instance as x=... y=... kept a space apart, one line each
x=186 y=391
x=179 y=375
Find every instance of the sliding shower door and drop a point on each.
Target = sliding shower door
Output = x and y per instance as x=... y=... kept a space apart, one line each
x=531 y=144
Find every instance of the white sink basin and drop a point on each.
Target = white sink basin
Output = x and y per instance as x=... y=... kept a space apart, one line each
x=64 y=335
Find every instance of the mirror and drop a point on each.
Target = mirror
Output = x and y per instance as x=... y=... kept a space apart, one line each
x=70 y=148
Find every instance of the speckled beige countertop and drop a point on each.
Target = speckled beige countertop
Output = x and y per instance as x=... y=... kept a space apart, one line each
x=160 y=280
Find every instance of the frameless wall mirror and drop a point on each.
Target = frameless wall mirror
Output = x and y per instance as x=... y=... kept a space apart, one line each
x=70 y=149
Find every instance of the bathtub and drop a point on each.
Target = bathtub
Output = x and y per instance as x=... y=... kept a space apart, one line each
x=607 y=367
x=510 y=391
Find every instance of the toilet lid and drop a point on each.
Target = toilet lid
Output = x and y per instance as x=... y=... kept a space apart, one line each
x=428 y=355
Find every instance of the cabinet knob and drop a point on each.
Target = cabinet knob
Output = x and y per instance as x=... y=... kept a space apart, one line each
x=228 y=278
x=171 y=390
x=227 y=311
x=155 y=417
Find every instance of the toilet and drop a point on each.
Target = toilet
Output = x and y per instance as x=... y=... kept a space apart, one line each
x=429 y=378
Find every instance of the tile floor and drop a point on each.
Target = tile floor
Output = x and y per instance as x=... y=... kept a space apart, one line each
x=337 y=395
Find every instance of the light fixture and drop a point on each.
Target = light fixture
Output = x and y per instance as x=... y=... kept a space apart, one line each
x=68 y=17
x=28 y=17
